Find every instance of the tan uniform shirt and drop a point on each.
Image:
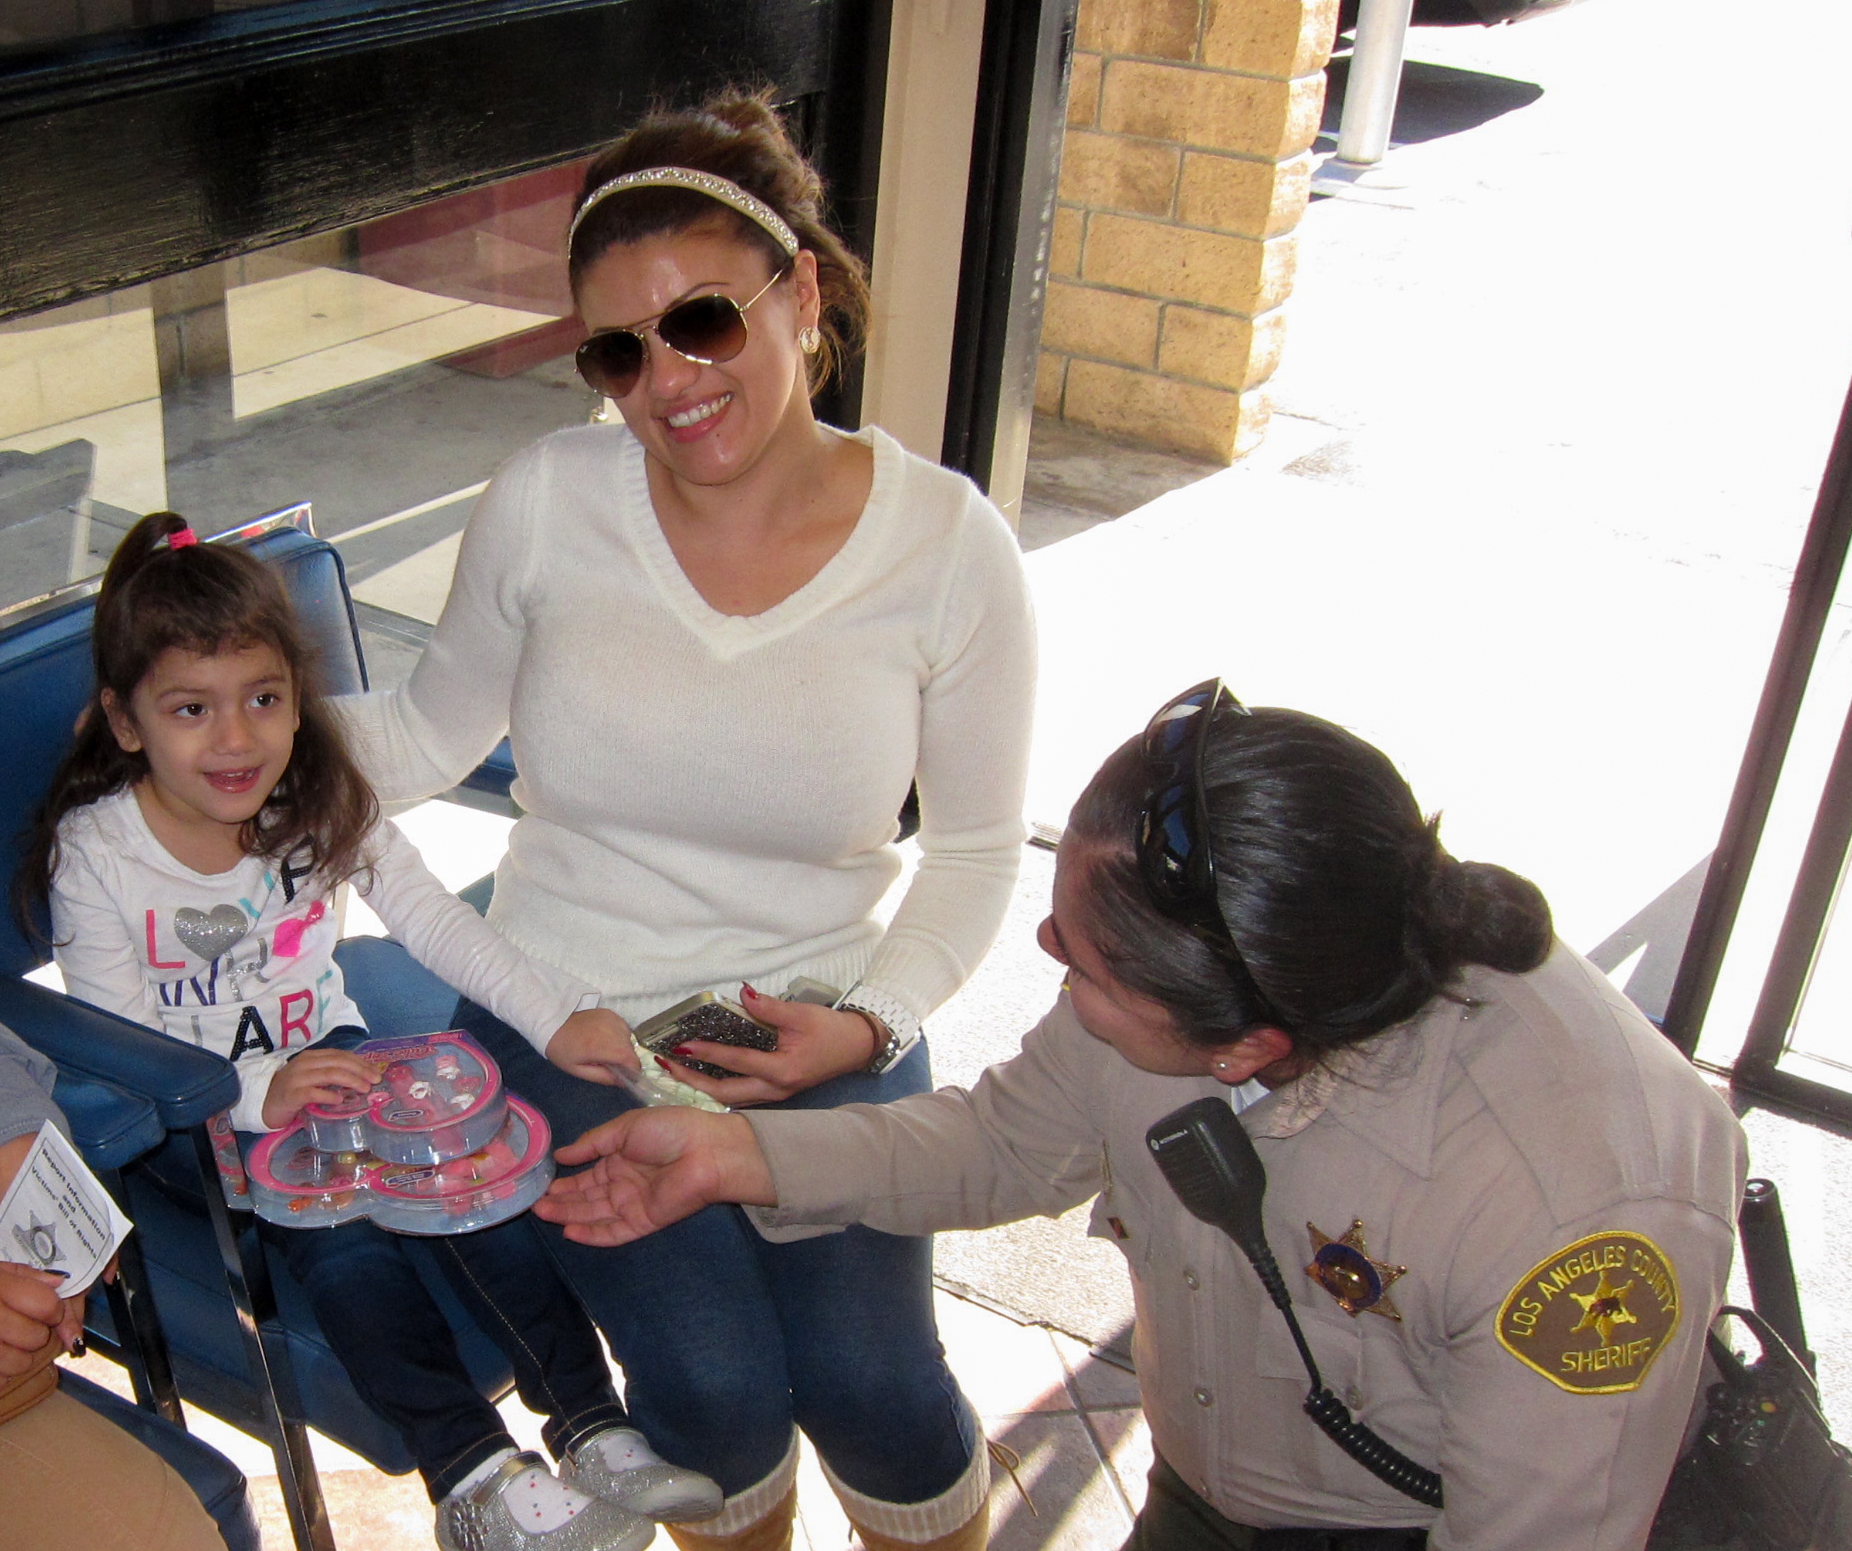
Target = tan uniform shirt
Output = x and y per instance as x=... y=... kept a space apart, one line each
x=1551 y=1185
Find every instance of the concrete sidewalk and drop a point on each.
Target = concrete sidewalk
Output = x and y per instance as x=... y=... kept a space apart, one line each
x=1073 y=1422
x=1556 y=397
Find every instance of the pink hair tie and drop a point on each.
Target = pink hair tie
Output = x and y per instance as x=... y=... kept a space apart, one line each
x=182 y=538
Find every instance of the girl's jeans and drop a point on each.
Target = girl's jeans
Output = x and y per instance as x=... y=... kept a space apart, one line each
x=728 y=1341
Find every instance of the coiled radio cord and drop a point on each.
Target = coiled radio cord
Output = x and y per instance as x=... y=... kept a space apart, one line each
x=1211 y=1164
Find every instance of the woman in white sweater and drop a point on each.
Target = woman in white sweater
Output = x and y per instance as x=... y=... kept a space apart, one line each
x=724 y=640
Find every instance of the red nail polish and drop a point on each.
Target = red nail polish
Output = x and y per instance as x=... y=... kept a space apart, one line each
x=660 y=1062
x=683 y=1051
x=748 y=992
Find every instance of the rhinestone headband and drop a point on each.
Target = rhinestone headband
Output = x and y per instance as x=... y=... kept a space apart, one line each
x=725 y=190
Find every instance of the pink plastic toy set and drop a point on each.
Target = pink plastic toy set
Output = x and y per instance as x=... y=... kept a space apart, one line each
x=436 y=1146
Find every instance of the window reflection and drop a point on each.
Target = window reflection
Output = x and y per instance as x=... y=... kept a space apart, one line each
x=380 y=373
x=26 y=24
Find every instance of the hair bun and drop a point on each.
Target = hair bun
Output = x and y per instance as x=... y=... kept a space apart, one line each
x=1485 y=914
x=743 y=110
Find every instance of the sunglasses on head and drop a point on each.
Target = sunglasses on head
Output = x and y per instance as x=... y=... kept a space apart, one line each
x=705 y=329
x=1174 y=855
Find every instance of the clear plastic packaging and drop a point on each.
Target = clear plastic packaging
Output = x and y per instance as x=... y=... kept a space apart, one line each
x=295 y=1183
x=436 y=1146
x=438 y=1097
x=480 y=1189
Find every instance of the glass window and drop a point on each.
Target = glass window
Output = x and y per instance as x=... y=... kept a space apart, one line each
x=27 y=25
x=380 y=373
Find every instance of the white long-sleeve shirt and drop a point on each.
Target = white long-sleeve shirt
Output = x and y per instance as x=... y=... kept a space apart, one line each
x=242 y=962
x=708 y=797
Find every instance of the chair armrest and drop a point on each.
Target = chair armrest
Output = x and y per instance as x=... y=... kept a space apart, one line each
x=187 y=1086
x=110 y=1127
x=494 y=775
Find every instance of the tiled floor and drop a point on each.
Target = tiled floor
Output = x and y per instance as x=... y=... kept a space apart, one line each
x=1073 y=1421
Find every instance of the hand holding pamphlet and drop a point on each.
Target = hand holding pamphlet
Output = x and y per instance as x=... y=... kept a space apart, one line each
x=58 y=1217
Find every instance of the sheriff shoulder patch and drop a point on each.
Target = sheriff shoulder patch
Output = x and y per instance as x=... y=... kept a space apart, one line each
x=1592 y=1317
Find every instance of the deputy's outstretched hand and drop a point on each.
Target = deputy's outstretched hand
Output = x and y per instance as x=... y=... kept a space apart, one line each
x=814 y=1044
x=652 y=1167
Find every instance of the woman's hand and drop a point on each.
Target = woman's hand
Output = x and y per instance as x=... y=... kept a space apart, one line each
x=594 y=1044
x=315 y=1077
x=654 y=1167
x=814 y=1045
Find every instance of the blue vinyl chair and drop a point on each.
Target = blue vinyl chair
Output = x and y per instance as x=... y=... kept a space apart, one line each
x=112 y=1128
x=201 y=1310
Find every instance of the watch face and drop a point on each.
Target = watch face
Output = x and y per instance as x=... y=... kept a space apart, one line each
x=888 y=1055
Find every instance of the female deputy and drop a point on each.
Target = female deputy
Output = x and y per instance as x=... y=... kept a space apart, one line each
x=1512 y=1201
x=724 y=639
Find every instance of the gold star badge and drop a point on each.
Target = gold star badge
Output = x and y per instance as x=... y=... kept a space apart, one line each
x=1604 y=1308
x=1341 y=1267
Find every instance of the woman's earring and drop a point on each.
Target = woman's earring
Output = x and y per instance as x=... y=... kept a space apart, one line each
x=809 y=339
x=1221 y=1066
x=601 y=411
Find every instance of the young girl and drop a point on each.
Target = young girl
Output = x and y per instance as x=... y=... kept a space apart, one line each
x=190 y=847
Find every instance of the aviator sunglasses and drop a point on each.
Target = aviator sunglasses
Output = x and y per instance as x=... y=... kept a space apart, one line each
x=704 y=329
x=1174 y=856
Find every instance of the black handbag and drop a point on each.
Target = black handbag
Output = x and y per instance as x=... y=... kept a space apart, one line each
x=1762 y=1472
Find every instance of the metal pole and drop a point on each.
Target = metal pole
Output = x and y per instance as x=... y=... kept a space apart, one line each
x=1810 y=600
x=1375 y=80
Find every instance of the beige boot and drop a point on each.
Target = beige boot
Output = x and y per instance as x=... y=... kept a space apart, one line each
x=972 y=1535
x=770 y=1533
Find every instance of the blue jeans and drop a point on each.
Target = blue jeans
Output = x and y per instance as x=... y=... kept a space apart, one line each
x=728 y=1341
x=381 y=1321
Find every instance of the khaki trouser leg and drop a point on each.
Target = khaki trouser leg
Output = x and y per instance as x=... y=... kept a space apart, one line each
x=70 y=1479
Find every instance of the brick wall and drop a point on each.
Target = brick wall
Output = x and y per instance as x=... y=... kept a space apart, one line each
x=1185 y=169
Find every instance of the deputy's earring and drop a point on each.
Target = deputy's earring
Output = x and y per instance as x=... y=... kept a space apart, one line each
x=809 y=339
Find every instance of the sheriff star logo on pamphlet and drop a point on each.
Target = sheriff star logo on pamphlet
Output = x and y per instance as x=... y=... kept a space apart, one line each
x=1593 y=1316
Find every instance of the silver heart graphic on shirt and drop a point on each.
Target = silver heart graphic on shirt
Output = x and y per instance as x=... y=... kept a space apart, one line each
x=210 y=933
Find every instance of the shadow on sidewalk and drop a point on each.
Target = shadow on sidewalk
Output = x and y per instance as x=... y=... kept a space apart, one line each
x=1435 y=100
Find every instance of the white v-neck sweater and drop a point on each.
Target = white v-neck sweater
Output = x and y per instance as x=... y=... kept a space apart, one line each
x=712 y=798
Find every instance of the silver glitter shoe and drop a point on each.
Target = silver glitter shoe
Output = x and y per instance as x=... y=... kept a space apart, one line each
x=478 y=1520
x=667 y=1493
